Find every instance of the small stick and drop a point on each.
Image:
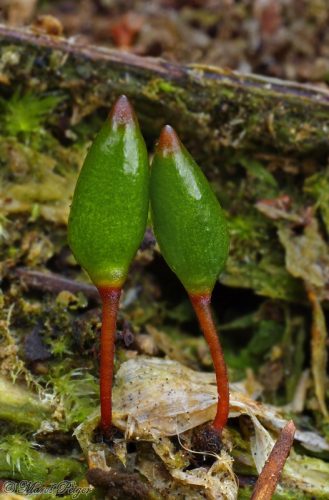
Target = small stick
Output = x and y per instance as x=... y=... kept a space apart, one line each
x=110 y=303
x=272 y=470
x=201 y=305
x=54 y=283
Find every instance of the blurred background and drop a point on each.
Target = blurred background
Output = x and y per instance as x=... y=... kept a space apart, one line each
x=287 y=39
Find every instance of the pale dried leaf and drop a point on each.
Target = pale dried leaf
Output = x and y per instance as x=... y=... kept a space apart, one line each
x=154 y=398
x=217 y=483
x=307 y=254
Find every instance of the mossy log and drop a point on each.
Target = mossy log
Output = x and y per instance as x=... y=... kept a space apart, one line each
x=212 y=108
x=269 y=142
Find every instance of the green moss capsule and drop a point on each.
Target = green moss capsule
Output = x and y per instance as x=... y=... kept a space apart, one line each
x=189 y=223
x=191 y=230
x=107 y=223
x=110 y=204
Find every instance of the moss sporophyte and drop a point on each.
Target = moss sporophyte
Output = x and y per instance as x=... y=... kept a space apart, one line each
x=108 y=219
x=107 y=222
x=191 y=230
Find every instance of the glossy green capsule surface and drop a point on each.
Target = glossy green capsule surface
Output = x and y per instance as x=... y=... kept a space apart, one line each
x=110 y=204
x=189 y=223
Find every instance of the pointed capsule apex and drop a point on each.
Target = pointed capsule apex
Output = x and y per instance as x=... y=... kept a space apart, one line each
x=122 y=112
x=168 y=141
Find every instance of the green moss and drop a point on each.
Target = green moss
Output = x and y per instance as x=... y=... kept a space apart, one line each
x=245 y=494
x=21 y=407
x=25 y=114
x=77 y=391
x=19 y=460
x=317 y=186
x=167 y=87
x=266 y=334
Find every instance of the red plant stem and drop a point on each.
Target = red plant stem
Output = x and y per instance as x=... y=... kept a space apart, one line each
x=110 y=303
x=201 y=305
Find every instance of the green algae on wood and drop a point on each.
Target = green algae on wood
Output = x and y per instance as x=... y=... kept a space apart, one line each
x=21 y=407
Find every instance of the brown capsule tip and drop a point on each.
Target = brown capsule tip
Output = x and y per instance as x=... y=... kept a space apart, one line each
x=122 y=112
x=168 y=141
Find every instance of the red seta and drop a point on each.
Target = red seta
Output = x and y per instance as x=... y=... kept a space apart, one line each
x=110 y=304
x=201 y=305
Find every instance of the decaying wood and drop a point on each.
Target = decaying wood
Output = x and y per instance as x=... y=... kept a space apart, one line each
x=213 y=109
x=271 y=473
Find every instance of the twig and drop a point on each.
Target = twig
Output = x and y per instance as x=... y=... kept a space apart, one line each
x=54 y=283
x=272 y=470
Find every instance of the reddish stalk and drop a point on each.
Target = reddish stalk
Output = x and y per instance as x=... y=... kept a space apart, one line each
x=272 y=470
x=201 y=305
x=110 y=303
